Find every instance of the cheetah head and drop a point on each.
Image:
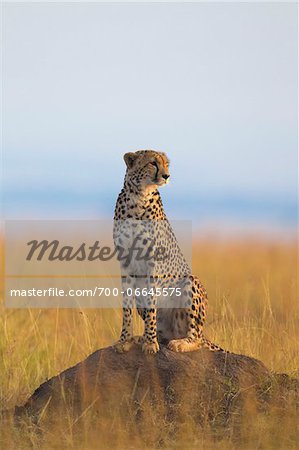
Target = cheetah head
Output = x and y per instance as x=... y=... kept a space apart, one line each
x=147 y=169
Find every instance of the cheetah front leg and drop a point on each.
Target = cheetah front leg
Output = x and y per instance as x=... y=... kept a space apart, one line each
x=127 y=340
x=150 y=342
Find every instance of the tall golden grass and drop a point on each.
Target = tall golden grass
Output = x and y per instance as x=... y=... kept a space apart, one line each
x=253 y=309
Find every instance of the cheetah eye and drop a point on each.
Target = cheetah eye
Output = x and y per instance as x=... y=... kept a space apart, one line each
x=153 y=163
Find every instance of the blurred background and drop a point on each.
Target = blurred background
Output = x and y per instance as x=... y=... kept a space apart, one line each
x=213 y=85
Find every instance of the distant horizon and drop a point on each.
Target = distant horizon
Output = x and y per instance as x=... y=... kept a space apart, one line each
x=224 y=214
x=214 y=85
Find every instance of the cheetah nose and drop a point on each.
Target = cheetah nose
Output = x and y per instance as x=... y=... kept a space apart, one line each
x=165 y=176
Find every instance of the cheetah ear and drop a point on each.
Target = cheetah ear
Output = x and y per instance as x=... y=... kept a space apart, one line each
x=129 y=159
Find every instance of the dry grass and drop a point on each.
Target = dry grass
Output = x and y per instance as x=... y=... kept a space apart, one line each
x=253 y=310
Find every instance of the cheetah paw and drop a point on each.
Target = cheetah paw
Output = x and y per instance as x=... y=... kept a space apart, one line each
x=150 y=348
x=125 y=346
x=179 y=345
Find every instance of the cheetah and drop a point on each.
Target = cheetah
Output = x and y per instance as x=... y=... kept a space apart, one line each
x=174 y=320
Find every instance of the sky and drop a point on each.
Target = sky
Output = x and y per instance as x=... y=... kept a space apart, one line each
x=214 y=85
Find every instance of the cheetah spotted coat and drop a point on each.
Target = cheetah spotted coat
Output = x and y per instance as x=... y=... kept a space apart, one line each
x=139 y=217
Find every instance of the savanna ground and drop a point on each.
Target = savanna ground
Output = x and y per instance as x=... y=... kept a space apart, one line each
x=253 y=309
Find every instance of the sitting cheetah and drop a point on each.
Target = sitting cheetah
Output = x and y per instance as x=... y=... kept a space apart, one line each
x=176 y=320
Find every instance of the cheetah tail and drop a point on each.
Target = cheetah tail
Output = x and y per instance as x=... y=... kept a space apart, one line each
x=212 y=347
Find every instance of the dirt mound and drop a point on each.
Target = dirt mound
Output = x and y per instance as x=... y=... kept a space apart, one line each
x=205 y=386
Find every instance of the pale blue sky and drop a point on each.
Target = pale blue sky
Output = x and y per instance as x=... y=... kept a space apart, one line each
x=214 y=85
